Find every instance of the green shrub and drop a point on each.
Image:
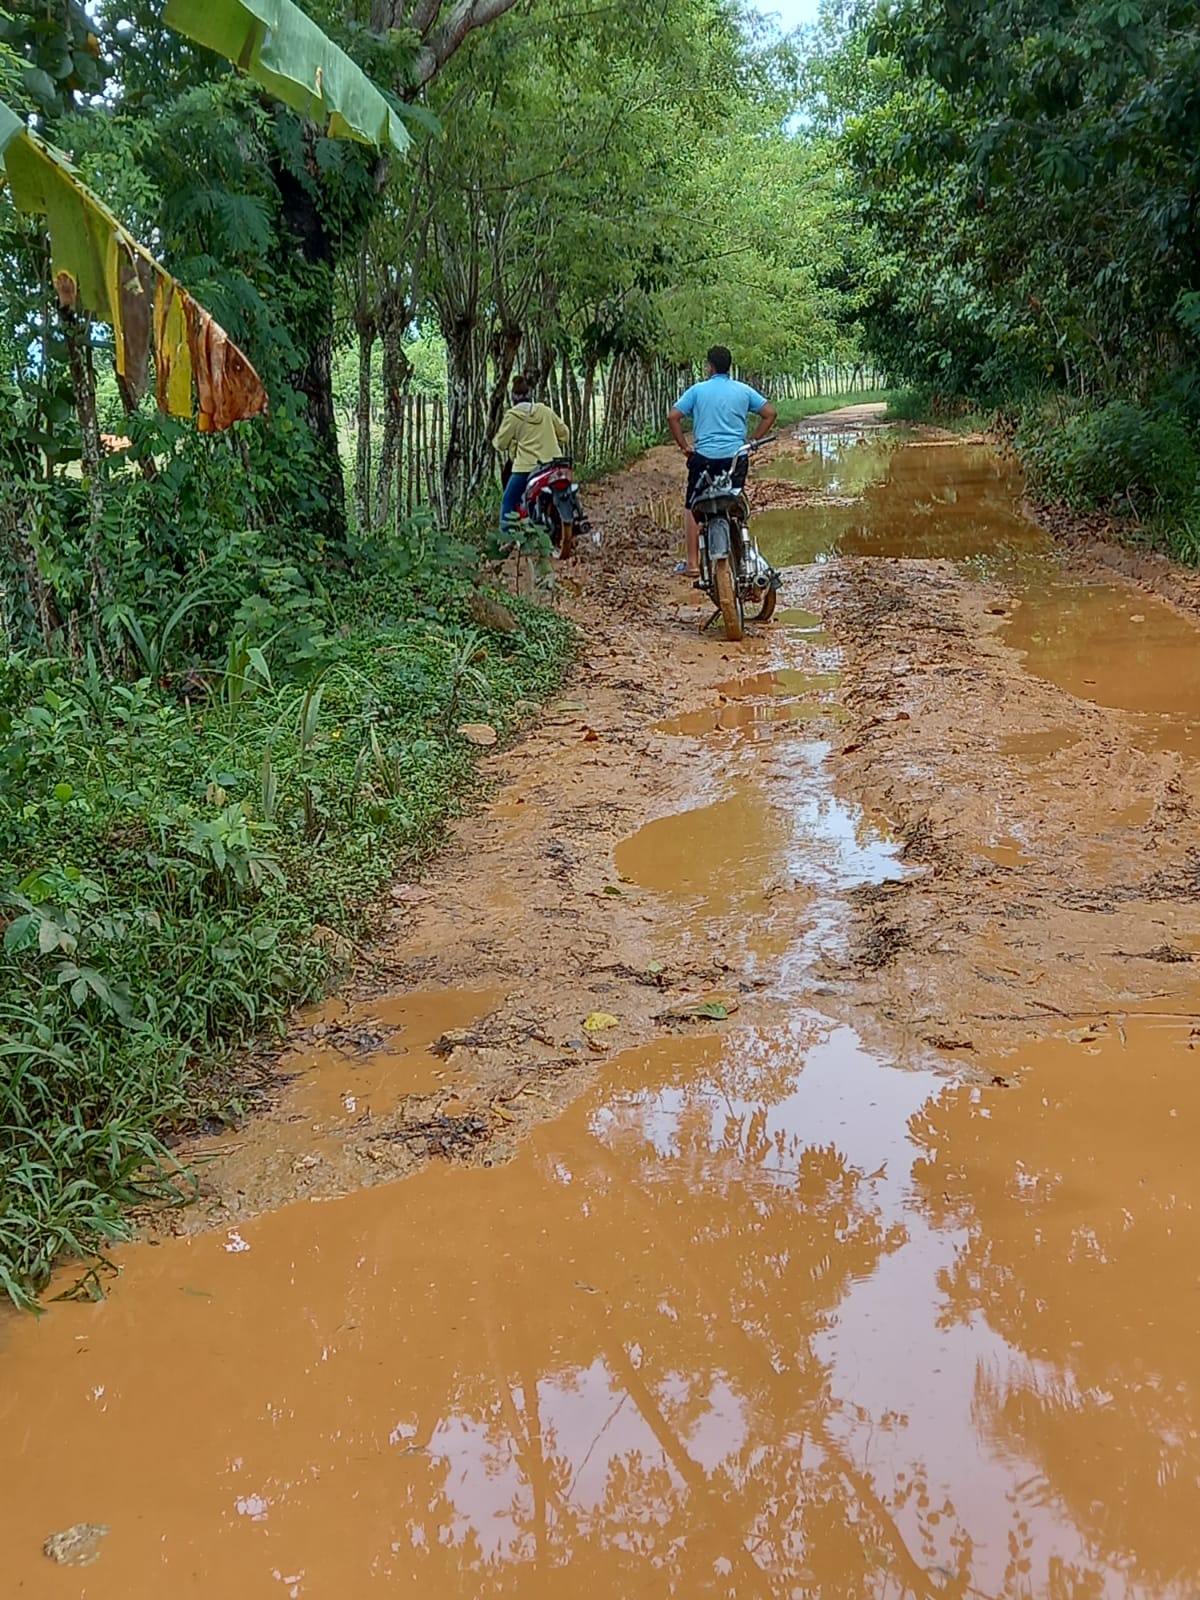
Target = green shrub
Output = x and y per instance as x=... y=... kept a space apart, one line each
x=168 y=852
x=1120 y=456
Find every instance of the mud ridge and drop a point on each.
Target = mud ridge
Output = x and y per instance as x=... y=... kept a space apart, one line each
x=1007 y=920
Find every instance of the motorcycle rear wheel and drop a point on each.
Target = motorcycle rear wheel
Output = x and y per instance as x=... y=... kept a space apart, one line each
x=727 y=599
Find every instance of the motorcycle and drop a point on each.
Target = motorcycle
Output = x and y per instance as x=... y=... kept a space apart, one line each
x=551 y=501
x=733 y=573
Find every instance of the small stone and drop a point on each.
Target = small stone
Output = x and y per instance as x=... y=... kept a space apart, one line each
x=77 y=1546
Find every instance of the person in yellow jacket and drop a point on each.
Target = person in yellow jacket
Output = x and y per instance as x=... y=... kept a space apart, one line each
x=531 y=433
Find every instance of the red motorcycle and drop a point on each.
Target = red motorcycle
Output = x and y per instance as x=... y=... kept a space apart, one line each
x=551 y=501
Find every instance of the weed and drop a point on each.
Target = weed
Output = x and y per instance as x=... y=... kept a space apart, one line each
x=164 y=859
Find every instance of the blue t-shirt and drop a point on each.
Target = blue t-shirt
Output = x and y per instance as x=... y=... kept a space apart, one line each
x=718 y=408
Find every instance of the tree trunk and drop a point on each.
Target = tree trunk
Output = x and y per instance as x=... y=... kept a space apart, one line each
x=395 y=317
x=460 y=385
x=363 y=452
x=586 y=409
x=77 y=334
x=310 y=323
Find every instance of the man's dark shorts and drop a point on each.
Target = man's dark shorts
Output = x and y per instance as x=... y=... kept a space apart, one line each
x=698 y=465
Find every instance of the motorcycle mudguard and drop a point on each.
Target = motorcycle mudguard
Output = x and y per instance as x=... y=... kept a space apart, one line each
x=716 y=537
x=564 y=504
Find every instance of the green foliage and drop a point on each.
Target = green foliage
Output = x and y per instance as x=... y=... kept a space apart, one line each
x=1026 y=170
x=163 y=866
x=1120 y=456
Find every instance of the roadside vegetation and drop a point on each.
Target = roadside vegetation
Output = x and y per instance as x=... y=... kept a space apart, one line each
x=1026 y=172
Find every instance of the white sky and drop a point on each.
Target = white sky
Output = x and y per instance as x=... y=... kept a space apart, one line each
x=791 y=12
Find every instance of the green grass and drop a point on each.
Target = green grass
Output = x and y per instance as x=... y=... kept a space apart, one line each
x=177 y=866
x=792 y=411
x=952 y=415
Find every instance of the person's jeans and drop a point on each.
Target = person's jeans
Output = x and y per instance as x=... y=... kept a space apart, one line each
x=511 y=499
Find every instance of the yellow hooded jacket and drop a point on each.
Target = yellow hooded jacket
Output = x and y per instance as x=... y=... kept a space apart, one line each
x=532 y=433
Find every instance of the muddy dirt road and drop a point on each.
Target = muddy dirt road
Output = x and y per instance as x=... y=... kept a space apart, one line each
x=792 y=1080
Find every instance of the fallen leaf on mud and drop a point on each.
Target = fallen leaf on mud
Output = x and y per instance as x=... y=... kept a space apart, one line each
x=587 y=1288
x=409 y=893
x=611 y=890
x=598 y=1021
x=849 y=749
x=501 y=1112
x=597 y=1046
x=569 y=705
x=77 y=1546
x=706 y=1010
x=590 y=736
x=479 y=733
x=653 y=968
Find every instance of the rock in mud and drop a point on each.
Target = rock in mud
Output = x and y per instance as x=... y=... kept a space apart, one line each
x=77 y=1546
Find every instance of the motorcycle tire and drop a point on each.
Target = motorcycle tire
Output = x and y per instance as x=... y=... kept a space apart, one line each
x=727 y=599
x=768 y=606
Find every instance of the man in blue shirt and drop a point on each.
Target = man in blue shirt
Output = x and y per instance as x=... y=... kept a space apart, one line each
x=718 y=408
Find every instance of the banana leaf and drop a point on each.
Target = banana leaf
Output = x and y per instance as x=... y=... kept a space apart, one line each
x=277 y=45
x=97 y=263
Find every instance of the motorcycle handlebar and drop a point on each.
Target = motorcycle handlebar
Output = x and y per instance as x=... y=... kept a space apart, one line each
x=756 y=444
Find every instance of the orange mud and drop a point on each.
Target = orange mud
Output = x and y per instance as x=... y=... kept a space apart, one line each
x=794 y=1079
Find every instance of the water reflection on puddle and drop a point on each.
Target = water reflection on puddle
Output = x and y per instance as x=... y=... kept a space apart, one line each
x=759 y=704
x=949 y=501
x=757 y=1316
x=764 y=867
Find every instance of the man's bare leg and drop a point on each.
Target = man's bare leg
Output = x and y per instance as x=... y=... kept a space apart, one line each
x=691 y=534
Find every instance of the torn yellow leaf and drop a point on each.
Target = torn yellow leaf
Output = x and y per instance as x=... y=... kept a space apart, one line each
x=173 y=359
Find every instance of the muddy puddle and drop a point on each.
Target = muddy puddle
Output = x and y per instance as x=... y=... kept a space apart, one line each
x=767 y=1310
x=1112 y=645
x=760 y=703
x=359 y=1060
x=759 y=1315
x=953 y=502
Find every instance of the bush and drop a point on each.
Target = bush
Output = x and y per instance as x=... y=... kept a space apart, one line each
x=173 y=856
x=1120 y=456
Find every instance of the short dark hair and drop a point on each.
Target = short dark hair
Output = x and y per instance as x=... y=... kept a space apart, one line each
x=520 y=386
x=719 y=358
